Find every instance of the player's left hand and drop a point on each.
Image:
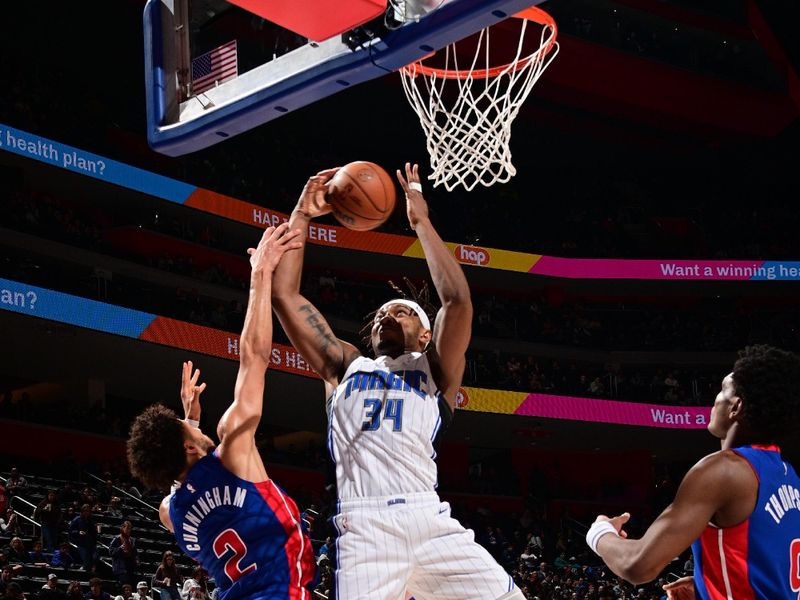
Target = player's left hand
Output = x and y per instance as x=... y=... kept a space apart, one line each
x=190 y=391
x=682 y=589
x=416 y=206
x=617 y=522
x=274 y=243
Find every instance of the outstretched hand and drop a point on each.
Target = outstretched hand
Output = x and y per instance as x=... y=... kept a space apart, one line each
x=190 y=392
x=312 y=201
x=617 y=522
x=416 y=206
x=274 y=243
x=682 y=589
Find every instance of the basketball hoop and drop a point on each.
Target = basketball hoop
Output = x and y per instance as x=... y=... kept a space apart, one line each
x=468 y=121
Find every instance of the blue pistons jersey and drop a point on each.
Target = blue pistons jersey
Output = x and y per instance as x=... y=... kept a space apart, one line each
x=248 y=536
x=758 y=559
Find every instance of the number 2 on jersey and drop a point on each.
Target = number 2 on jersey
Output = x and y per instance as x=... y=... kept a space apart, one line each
x=230 y=540
x=394 y=412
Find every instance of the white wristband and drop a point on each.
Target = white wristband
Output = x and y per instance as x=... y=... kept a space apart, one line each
x=415 y=185
x=193 y=423
x=598 y=530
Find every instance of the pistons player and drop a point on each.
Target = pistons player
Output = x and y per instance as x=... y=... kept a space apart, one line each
x=225 y=511
x=385 y=416
x=739 y=508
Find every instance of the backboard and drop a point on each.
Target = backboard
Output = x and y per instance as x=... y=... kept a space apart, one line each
x=214 y=69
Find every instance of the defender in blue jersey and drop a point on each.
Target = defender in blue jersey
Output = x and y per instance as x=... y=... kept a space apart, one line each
x=225 y=511
x=739 y=508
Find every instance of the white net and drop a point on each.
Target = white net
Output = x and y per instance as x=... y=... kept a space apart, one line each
x=467 y=114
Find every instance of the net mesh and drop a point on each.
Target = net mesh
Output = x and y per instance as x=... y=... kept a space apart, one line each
x=466 y=114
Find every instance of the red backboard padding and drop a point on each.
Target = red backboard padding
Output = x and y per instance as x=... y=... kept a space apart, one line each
x=317 y=20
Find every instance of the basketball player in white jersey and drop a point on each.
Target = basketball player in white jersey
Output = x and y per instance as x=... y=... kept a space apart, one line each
x=385 y=414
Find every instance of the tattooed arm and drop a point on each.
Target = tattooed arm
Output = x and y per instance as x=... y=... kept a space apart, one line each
x=307 y=329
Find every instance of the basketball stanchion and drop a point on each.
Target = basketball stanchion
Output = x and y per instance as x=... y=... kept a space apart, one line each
x=466 y=114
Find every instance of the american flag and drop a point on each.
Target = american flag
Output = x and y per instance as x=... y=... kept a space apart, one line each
x=214 y=67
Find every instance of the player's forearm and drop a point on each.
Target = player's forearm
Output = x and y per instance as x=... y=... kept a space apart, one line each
x=255 y=343
x=287 y=276
x=628 y=559
x=447 y=275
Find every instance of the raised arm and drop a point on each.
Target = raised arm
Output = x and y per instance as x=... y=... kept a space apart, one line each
x=452 y=328
x=190 y=393
x=721 y=487
x=307 y=329
x=238 y=425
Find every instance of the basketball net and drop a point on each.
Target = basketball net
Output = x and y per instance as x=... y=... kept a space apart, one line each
x=466 y=114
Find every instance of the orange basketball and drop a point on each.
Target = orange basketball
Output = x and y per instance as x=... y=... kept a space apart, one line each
x=362 y=195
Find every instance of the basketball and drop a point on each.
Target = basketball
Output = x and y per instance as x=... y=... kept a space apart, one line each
x=362 y=195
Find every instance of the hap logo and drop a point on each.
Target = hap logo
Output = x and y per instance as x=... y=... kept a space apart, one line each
x=472 y=255
x=462 y=399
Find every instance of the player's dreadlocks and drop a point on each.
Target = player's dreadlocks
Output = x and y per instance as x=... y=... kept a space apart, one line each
x=768 y=380
x=421 y=295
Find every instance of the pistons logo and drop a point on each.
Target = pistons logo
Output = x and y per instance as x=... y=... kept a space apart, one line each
x=462 y=399
x=472 y=255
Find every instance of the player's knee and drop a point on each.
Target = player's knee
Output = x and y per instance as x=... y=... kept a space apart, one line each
x=515 y=594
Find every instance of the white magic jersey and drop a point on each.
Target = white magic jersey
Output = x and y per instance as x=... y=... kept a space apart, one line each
x=383 y=423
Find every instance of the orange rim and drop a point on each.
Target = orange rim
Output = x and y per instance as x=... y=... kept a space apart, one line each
x=533 y=13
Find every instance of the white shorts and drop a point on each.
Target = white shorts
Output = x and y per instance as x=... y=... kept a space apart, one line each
x=387 y=546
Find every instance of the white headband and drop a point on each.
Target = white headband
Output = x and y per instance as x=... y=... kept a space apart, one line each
x=426 y=323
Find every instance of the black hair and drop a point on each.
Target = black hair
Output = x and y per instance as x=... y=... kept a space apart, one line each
x=155 y=447
x=767 y=379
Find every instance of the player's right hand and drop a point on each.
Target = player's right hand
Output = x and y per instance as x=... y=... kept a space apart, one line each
x=682 y=589
x=312 y=201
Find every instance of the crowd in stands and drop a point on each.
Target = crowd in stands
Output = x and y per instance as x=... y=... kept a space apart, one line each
x=713 y=324
x=707 y=324
x=66 y=539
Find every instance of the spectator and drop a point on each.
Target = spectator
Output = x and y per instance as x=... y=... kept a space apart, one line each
x=62 y=557
x=96 y=590
x=50 y=590
x=6 y=577
x=17 y=552
x=124 y=555
x=83 y=533
x=167 y=578
x=192 y=590
x=126 y=593
x=200 y=575
x=325 y=548
x=37 y=557
x=114 y=508
x=15 y=482
x=67 y=495
x=596 y=388
x=688 y=566
x=105 y=495
x=142 y=591
x=48 y=513
x=14 y=592
x=3 y=498
x=10 y=524
x=74 y=591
